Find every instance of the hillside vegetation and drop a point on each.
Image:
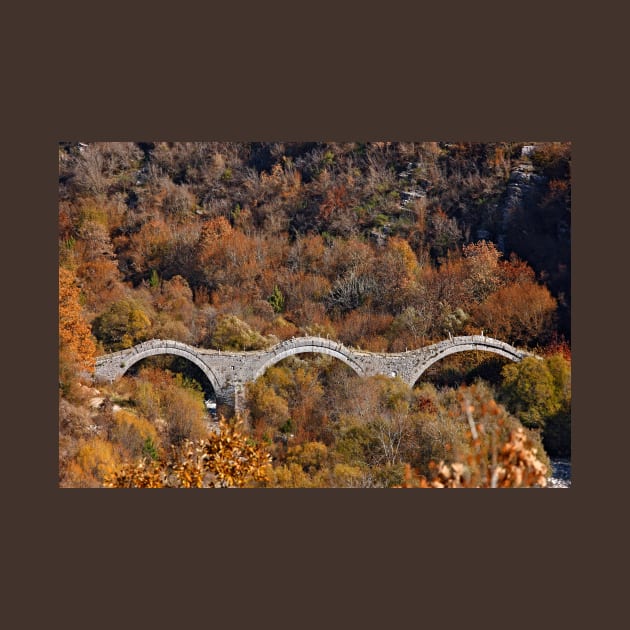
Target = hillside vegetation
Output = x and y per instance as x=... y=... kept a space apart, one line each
x=385 y=246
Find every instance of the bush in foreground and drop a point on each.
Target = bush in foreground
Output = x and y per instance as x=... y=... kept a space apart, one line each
x=513 y=464
x=224 y=460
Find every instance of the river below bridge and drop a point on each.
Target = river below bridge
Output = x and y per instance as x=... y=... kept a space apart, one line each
x=561 y=474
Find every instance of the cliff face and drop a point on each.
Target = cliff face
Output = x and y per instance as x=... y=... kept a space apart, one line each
x=535 y=222
x=523 y=182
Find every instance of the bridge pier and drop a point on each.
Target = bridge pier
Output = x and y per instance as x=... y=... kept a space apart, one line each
x=231 y=398
x=239 y=398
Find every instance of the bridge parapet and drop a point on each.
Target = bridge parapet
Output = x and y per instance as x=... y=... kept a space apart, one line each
x=298 y=342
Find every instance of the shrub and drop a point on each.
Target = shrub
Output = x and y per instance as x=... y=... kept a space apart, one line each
x=276 y=299
x=232 y=333
x=346 y=476
x=311 y=456
x=514 y=464
x=223 y=460
x=133 y=433
x=122 y=325
x=94 y=460
x=538 y=391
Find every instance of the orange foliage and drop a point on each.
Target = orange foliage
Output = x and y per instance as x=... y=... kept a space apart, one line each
x=281 y=328
x=176 y=299
x=75 y=336
x=359 y=327
x=518 y=313
x=287 y=183
x=314 y=250
x=301 y=287
x=95 y=459
x=214 y=230
x=481 y=262
x=307 y=402
x=336 y=200
x=516 y=271
x=223 y=460
x=147 y=247
x=229 y=260
x=102 y=284
x=345 y=255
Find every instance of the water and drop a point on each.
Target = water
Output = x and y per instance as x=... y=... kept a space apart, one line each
x=561 y=474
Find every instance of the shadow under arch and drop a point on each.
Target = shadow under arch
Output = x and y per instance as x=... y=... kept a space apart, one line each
x=173 y=351
x=490 y=346
x=336 y=352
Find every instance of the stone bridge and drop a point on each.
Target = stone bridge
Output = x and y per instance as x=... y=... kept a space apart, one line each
x=228 y=372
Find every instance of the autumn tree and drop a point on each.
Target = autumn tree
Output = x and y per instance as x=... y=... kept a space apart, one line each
x=101 y=283
x=409 y=329
x=300 y=288
x=350 y=292
x=391 y=424
x=77 y=349
x=557 y=433
x=522 y=314
x=102 y=167
x=175 y=310
x=438 y=297
x=268 y=410
x=307 y=254
x=307 y=393
x=444 y=232
x=231 y=333
x=530 y=391
x=95 y=458
x=276 y=299
x=228 y=261
x=172 y=402
x=483 y=272
x=538 y=392
x=395 y=275
x=146 y=248
x=124 y=324
x=135 y=434
x=553 y=159
x=178 y=201
x=365 y=329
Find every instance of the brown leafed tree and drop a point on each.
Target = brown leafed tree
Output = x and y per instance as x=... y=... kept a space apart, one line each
x=518 y=313
x=481 y=262
x=76 y=343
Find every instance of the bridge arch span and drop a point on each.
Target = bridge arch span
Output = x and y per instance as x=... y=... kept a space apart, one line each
x=228 y=372
x=439 y=351
x=304 y=345
x=157 y=347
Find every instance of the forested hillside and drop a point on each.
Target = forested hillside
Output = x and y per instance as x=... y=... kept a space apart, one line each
x=383 y=246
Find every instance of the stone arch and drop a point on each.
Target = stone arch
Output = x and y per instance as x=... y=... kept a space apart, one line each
x=313 y=345
x=180 y=350
x=466 y=344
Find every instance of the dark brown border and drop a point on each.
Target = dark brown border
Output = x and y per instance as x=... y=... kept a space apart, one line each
x=271 y=71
